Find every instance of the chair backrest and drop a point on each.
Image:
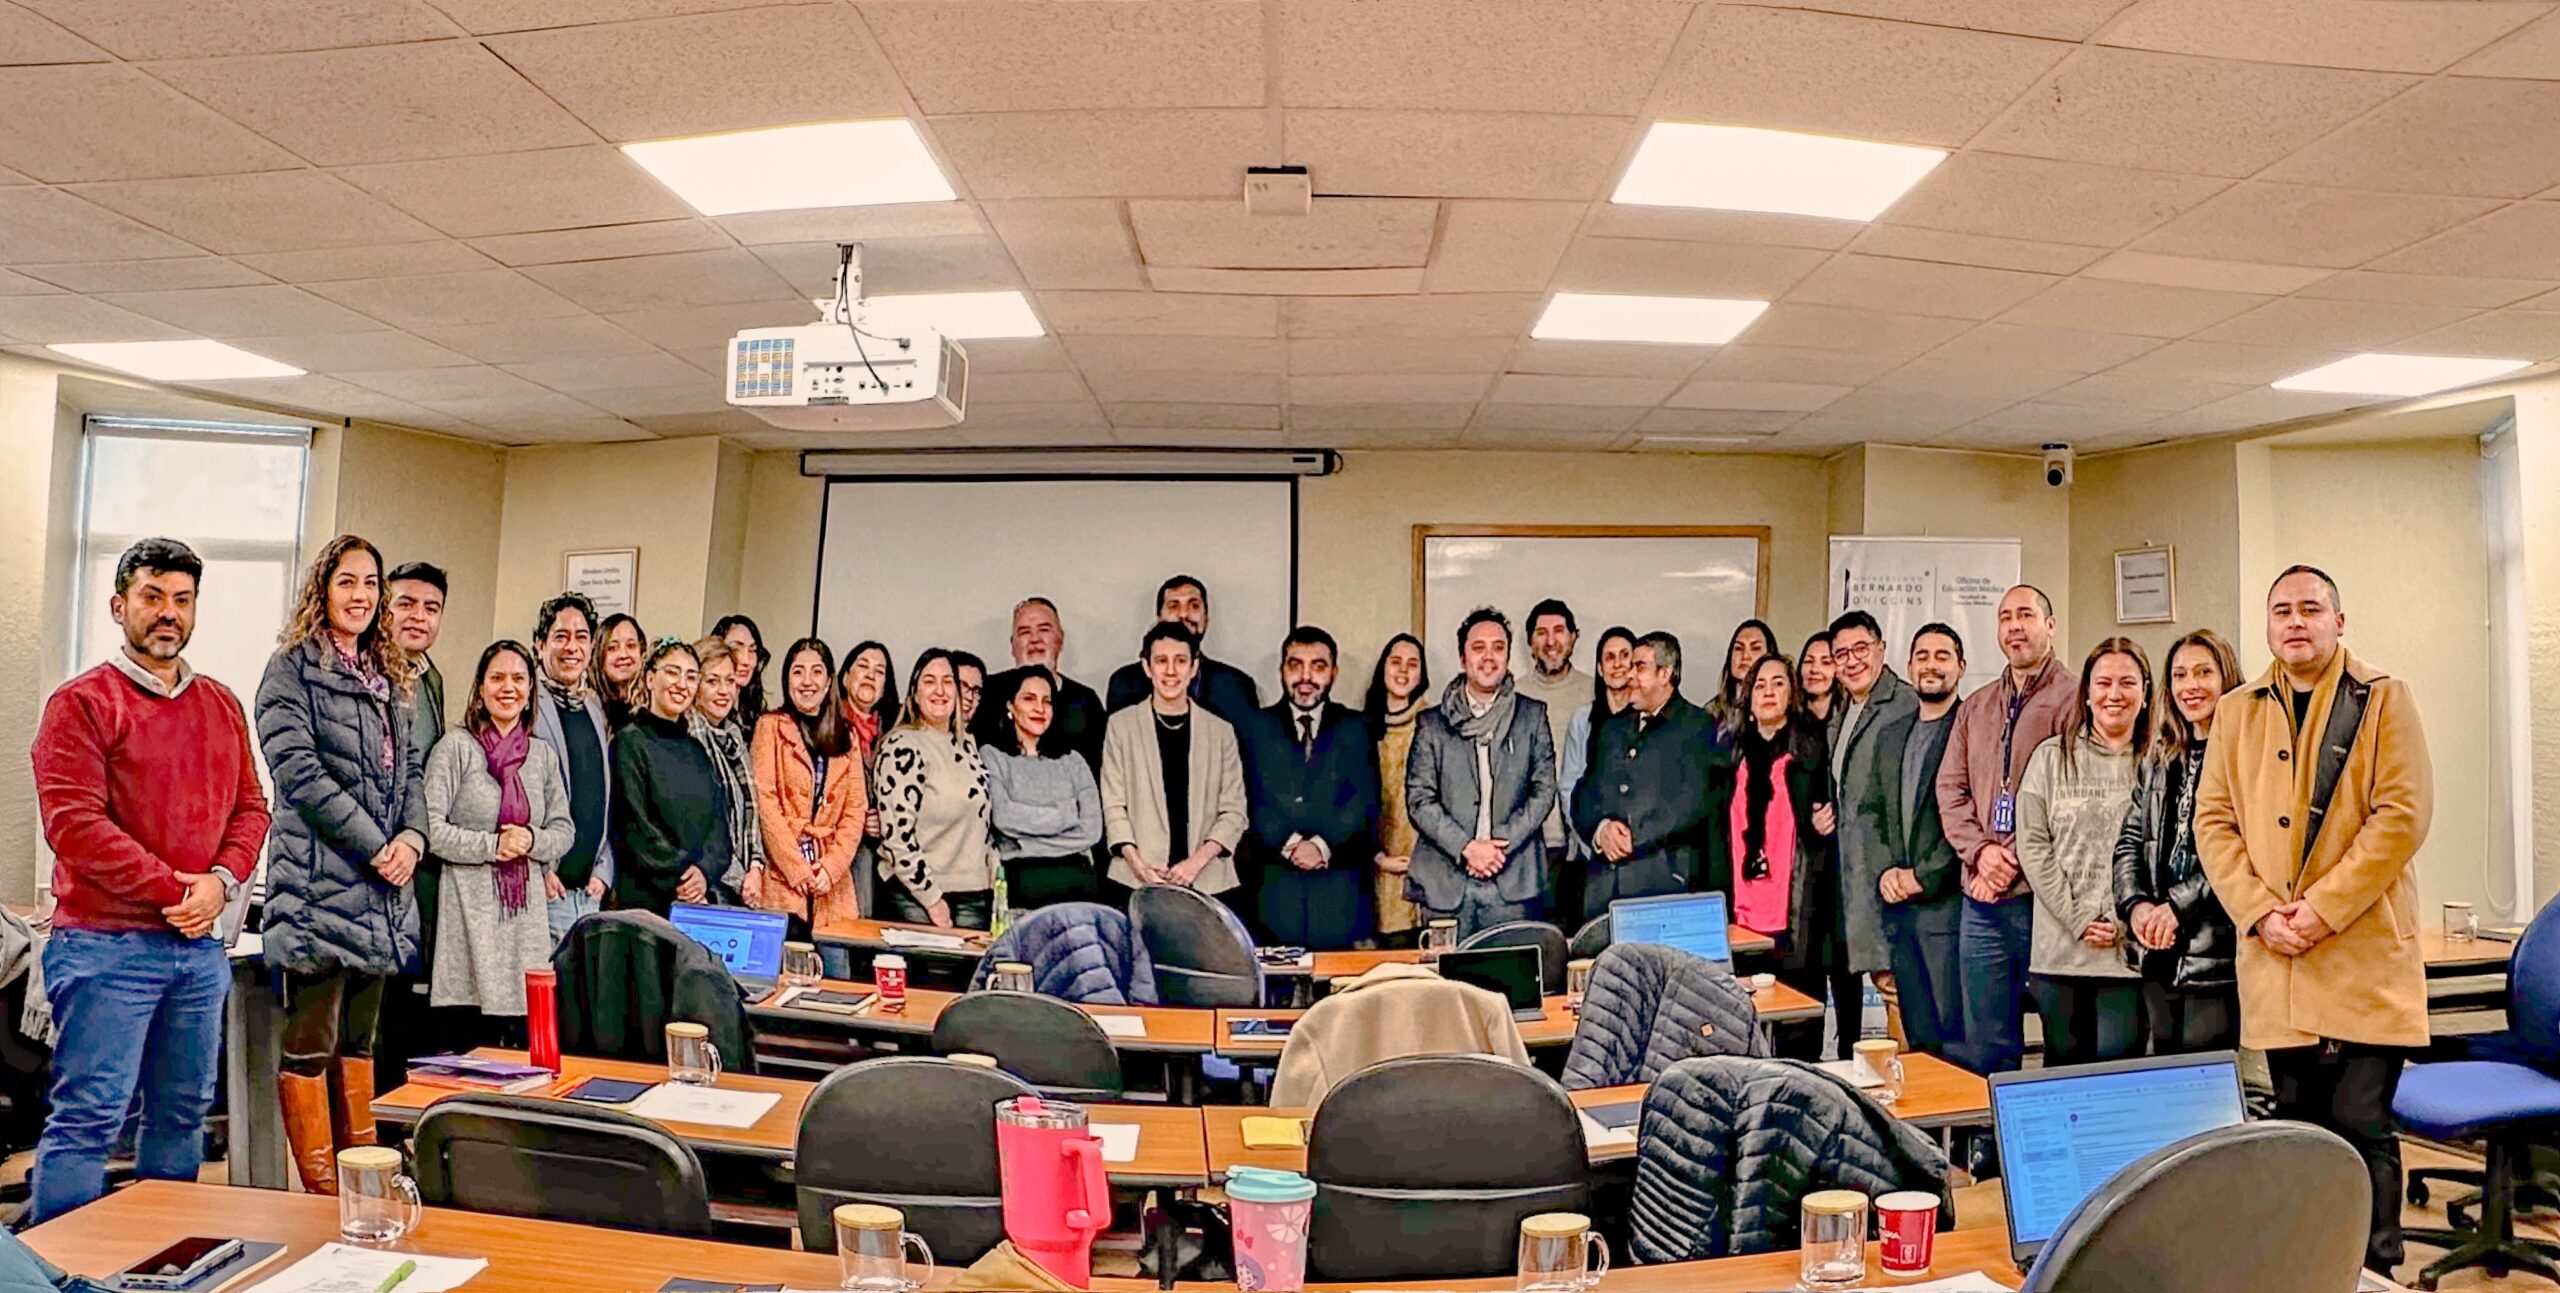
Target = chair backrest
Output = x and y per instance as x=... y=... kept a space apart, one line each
x=1043 y=1041
x=1648 y=1007
x=561 y=1161
x=1202 y=955
x=1592 y=939
x=1553 y=950
x=1395 y=1202
x=2263 y=1205
x=2533 y=986
x=1081 y=952
x=625 y=974
x=913 y=1133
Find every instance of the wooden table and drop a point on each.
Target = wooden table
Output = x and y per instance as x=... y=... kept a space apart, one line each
x=1349 y=965
x=1171 y=1030
x=2453 y=960
x=1776 y=1003
x=873 y=934
x=528 y=1256
x=1171 y=1149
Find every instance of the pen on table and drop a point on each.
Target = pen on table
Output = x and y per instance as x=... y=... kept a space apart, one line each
x=392 y=1280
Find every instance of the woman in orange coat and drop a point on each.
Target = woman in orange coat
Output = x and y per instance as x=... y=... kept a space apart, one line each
x=810 y=797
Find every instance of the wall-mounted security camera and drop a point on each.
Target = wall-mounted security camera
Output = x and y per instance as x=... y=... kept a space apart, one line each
x=2057 y=464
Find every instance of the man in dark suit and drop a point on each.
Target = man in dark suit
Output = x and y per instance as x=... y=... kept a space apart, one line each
x=1919 y=876
x=1644 y=799
x=1311 y=794
x=1227 y=690
x=1040 y=642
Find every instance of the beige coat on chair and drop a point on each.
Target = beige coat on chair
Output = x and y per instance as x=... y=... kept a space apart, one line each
x=1391 y=1012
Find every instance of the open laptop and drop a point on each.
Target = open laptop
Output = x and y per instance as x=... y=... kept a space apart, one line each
x=1512 y=973
x=746 y=940
x=2064 y=1132
x=1697 y=923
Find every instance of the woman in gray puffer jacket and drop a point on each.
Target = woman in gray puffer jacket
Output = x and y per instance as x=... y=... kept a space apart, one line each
x=334 y=721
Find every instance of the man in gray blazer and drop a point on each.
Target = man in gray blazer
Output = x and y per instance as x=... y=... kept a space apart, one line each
x=570 y=719
x=1478 y=787
x=1873 y=714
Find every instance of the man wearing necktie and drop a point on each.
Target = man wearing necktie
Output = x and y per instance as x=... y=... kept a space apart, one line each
x=1311 y=788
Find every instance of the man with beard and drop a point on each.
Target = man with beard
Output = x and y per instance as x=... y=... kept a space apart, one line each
x=1917 y=883
x=1311 y=796
x=1480 y=780
x=572 y=720
x=1552 y=681
x=150 y=799
x=416 y=613
x=1224 y=689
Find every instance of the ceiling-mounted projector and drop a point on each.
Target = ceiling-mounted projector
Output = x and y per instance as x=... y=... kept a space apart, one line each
x=842 y=373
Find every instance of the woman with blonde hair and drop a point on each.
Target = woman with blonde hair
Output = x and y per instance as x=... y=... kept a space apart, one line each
x=716 y=729
x=334 y=718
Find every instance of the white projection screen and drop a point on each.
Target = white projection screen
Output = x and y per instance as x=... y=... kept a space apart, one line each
x=926 y=563
x=1696 y=583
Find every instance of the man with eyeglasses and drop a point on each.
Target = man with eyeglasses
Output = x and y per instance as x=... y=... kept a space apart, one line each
x=1876 y=715
x=571 y=719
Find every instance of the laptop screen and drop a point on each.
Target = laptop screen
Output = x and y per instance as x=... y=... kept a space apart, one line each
x=2063 y=1133
x=748 y=941
x=1510 y=971
x=1693 y=922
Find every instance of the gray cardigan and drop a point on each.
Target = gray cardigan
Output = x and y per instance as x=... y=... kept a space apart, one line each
x=481 y=953
x=2068 y=824
x=1042 y=806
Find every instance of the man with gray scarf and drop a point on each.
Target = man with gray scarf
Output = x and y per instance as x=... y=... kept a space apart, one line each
x=1478 y=787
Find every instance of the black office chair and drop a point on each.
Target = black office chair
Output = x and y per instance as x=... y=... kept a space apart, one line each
x=1203 y=956
x=1395 y=1205
x=625 y=974
x=1042 y=1040
x=1553 y=950
x=916 y=1134
x=560 y=1161
x=1592 y=939
x=2263 y=1205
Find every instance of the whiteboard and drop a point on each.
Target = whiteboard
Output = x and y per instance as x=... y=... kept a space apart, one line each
x=929 y=563
x=1908 y=582
x=1695 y=583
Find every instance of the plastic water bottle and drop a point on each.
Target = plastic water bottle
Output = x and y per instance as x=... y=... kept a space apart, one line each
x=1000 y=915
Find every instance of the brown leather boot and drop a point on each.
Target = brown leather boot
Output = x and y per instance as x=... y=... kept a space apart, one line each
x=351 y=1116
x=307 y=1132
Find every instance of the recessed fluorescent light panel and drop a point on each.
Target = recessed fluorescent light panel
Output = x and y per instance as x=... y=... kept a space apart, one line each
x=2378 y=374
x=790 y=168
x=961 y=316
x=177 y=361
x=1737 y=168
x=1677 y=320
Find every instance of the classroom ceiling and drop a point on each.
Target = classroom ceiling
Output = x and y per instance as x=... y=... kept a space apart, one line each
x=2153 y=209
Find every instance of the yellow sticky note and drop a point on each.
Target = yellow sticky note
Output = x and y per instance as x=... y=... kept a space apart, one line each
x=1275 y=1133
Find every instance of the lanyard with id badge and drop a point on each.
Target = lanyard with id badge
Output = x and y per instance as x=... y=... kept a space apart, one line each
x=2004 y=808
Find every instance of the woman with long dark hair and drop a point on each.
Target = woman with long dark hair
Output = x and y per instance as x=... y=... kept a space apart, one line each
x=670 y=809
x=1042 y=801
x=1399 y=690
x=1766 y=839
x=622 y=650
x=746 y=651
x=1752 y=641
x=2072 y=803
x=2185 y=943
x=335 y=724
x=1817 y=684
x=811 y=796
x=937 y=857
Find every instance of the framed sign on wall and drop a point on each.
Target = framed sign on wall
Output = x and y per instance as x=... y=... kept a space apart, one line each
x=610 y=577
x=2146 y=585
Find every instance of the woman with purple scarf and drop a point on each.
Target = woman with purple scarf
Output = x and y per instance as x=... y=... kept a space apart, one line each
x=497 y=813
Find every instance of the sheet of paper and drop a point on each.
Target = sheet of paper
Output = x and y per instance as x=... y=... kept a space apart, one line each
x=918 y=938
x=704 y=1106
x=1122 y=1025
x=1119 y=1140
x=1848 y=1071
x=1599 y=1136
x=345 y=1268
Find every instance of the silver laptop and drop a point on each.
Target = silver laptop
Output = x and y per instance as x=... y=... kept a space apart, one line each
x=2064 y=1132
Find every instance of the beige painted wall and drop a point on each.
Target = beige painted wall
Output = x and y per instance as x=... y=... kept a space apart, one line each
x=29 y=443
x=2184 y=495
x=428 y=498
x=778 y=577
x=2538 y=446
x=1847 y=477
x=1943 y=493
x=657 y=496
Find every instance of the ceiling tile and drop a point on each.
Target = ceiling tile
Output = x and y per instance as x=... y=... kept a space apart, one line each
x=699 y=394
x=2154 y=393
x=1572 y=358
x=556 y=188
x=1250 y=417
x=2291 y=224
x=1797 y=365
x=1017 y=355
x=1489 y=314
x=685 y=278
x=1922 y=287
x=47 y=320
x=2532 y=52
x=1068 y=242
x=1930 y=376
x=1447 y=415
x=2380 y=35
x=1974 y=249
x=225 y=312
x=695 y=75
x=399 y=103
x=2510 y=334
x=1540 y=388
x=428 y=300
x=1549 y=56
x=1181 y=388
x=1828 y=327
x=2172 y=113
x=605 y=373
x=1504 y=413
x=28 y=39
x=274 y=211
x=2222 y=361
x=2143 y=309
x=1157 y=354
x=1495 y=246
x=2425 y=289
x=2192 y=271
x=41 y=226
x=1159 y=314
x=2035 y=198
x=656 y=238
x=2266 y=405
x=1650 y=268
x=2449 y=135
x=145 y=29
x=1902 y=413
x=1452 y=154
x=1791 y=397
x=355 y=352
x=1197 y=437
x=13 y=283
x=1337 y=233
x=2334 y=325
x=1694 y=224
x=2058 y=19
x=2036 y=345
x=146 y=275
x=1392 y=281
x=531 y=340
x=1032 y=387
x=485 y=16
x=1824 y=72
x=1670 y=421
x=436 y=386
x=331 y=264
x=99 y=121
x=2073 y=423
x=2519 y=239
x=1029 y=55
x=1118 y=153
x=1401 y=388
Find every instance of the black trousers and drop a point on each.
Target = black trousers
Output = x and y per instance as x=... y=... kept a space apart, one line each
x=1848 y=993
x=2088 y=1019
x=1565 y=876
x=330 y=1016
x=2187 y=1020
x=969 y=910
x=2347 y=1087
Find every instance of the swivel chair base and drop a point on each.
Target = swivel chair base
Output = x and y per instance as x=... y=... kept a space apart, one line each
x=2492 y=1245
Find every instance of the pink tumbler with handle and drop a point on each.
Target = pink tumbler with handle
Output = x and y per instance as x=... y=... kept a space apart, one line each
x=1270 y=1210
x=1056 y=1194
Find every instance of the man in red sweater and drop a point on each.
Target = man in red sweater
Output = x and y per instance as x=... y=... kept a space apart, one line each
x=151 y=804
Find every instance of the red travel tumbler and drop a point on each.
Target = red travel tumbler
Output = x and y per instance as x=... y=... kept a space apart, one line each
x=542 y=1016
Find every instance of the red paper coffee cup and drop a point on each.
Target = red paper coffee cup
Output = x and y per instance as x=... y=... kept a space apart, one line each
x=1907 y=1223
x=889 y=975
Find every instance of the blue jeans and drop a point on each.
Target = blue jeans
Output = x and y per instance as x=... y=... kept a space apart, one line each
x=1993 y=938
x=1920 y=945
x=134 y=1012
x=564 y=911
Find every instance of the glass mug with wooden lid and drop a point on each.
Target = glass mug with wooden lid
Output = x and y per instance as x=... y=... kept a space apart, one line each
x=1559 y=1253
x=871 y=1250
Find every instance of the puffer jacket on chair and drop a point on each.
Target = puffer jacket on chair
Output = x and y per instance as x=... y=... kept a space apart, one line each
x=1650 y=1006
x=336 y=805
x=1728 y=1147
x=1082 y=952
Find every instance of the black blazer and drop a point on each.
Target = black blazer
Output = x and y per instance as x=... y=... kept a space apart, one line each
x=1227 y=690
x=1654 y=780
x=1332 y=796
x=1913 y=830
